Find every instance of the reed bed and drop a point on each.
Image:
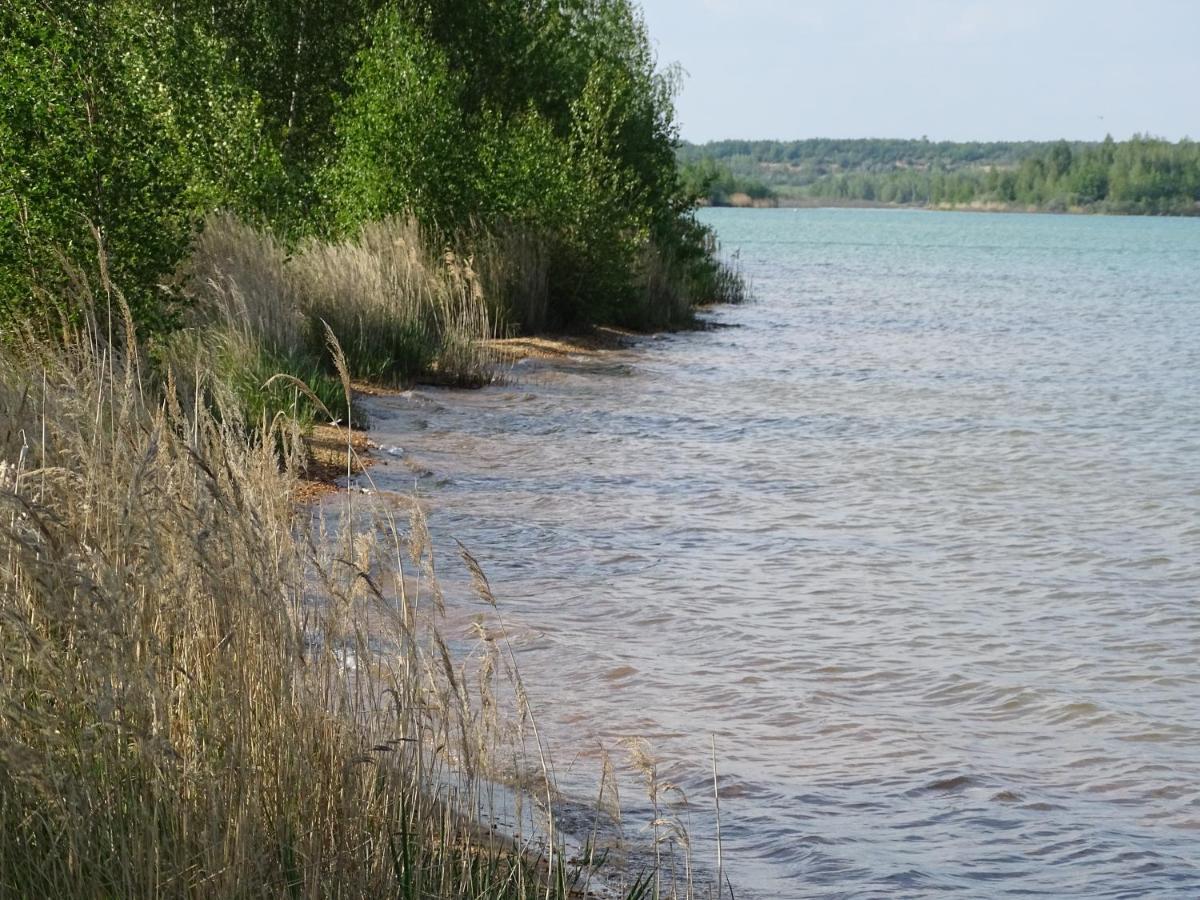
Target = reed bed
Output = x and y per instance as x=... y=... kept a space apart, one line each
x=400 y=309
x=402 y=302
x=514 y=266
x=201 y=696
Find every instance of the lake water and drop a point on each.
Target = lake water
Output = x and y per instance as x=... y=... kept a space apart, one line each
x=916 y=536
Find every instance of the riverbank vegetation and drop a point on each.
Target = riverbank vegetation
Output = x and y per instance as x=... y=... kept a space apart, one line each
x=529 y=146
x=213 y=218
x=1143 y=175
x=200 y=699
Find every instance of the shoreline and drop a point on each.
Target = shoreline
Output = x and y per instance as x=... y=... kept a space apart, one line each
x=624 y=858
x=326 y=466
x=556 y=346
x=975 y=207
x=326 y=470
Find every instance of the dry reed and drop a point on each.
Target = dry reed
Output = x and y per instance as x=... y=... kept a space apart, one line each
x=200 y=698
x=399 y=308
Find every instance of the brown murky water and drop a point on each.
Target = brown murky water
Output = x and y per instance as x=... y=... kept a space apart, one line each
x=917 y=537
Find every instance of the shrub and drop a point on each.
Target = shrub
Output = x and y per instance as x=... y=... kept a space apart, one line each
x=114 y=118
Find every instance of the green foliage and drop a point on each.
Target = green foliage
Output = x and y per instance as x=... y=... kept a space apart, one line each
x=251 y=374
x=789 y=162
x=533 y=142
x=549 y=121
x=401 y=132
x=295 y=57
x=256 y=380
x=116 y=117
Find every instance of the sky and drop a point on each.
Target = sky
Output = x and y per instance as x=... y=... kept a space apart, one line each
x=945 y=69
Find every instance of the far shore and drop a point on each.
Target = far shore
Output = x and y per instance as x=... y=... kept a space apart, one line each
x=977 y=206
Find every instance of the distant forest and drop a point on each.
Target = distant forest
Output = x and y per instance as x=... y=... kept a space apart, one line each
x=1143 y=175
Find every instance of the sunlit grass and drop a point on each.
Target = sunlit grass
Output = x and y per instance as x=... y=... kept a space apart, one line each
x=203 y=697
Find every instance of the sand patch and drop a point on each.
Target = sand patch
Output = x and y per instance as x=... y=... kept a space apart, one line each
x=598 y=340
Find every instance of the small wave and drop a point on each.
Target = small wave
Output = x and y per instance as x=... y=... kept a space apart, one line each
x=619 y=673
x=948 y=784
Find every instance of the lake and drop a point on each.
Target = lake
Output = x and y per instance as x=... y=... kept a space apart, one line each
x=915 y=535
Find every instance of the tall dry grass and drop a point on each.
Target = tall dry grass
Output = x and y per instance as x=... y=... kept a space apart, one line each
x=200 y=696
x=247 y=323
x=514 y=266
x=399 y=308
x=404 y=303
x=240 y=278
x=203 y=697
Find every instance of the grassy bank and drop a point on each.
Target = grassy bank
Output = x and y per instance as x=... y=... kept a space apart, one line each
x=399 y=302
x=201 y=698
x=396 y=308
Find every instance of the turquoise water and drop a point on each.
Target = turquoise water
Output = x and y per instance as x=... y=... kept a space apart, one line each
x=916 y=536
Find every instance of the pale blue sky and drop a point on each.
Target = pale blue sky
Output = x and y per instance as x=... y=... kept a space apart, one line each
x=949 y=69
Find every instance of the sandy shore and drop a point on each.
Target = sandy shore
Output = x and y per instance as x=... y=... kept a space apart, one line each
x=326 y=446
x=597 y=340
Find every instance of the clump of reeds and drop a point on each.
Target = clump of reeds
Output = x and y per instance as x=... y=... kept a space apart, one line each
x=247 y=324
x=514 y=265
x=672 y=287
x=729 y=283
x=241 y=279
x=400 y=308
x=387 y=287
x=403 y=302
x=666 y=296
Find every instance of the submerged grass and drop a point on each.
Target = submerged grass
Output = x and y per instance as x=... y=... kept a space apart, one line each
x=201 y=698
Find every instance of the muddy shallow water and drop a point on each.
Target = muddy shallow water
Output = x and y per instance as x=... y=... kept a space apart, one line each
x=916 y=536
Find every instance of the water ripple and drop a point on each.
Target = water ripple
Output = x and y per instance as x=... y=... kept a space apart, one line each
x=918 y=542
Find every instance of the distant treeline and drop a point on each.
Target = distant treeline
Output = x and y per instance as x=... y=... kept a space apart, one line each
x=875 y=154
x=1142 y=175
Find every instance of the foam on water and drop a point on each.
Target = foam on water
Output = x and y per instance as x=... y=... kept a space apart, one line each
x=917 y=537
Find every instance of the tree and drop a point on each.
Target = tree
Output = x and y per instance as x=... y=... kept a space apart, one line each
x=1059 y=159
x=112 y=117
